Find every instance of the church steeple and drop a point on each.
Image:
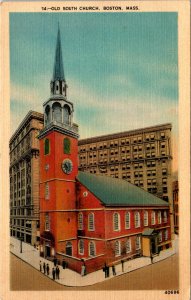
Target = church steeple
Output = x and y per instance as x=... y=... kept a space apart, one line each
x=58 y=84
x=58 y=72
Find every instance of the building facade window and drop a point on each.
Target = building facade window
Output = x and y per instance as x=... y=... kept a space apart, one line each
x=66 y=146
x=69 y=248
x=160 y=236
x=116 y=222
x=127 y=220
x=47 y=191
x=137 y=219
x=92 y=249
x=159 y=217
x=80 y=221
x=47 y=222
x=138 y=243
x=46 y=146
x=153 y=219
x=165 y=216
x=91 y=225
x=166 y=235
x=81 y=247
x=128 y=245
x=146 y=218
x=117 y=248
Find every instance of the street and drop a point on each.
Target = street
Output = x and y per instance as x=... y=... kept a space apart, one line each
x=159 y=276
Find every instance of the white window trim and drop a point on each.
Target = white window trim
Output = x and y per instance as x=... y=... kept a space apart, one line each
x=118 y=224
x=165 y=217
x=166 y=235
x=127 y=213
x=153 y=218
x=146 y=220
x=81 y=253
x=91 y=229
x=47 y=191
x=92 y=243
x=138 y=245
x=80 y=224
x=139 y=221
x=119 y=248
x=128 y=241
x=159 y=217
x=160 y=237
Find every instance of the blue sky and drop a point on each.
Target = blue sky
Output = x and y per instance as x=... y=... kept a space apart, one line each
x=121 y=68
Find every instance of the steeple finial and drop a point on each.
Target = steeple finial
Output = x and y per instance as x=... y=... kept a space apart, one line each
x=58 y=72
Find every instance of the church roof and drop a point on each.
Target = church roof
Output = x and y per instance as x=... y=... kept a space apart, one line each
x=118 y=192
x=58 y=72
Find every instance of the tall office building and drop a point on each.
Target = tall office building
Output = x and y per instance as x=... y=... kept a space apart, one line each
x=142 y=156
x=24 y=179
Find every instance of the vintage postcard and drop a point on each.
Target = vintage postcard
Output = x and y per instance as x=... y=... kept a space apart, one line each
x=95 y=149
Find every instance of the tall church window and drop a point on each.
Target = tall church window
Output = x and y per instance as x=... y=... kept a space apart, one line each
x=91 y=225
x=66 y=114
x=69 y=248
x=66 y=146
x=145 y=218
x=153 y=219
x=80 y=221
x=137 y=219
x=117 y=248
x=47 y=222
x=57 y=112
x=81 y=247
x=128 y=245
x=127 y=220
x=46 y=146
x=92 y=250
x=116 y=222
x=138 y=242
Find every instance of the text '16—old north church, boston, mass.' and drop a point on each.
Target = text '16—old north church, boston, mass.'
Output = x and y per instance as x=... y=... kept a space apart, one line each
x=79 y=217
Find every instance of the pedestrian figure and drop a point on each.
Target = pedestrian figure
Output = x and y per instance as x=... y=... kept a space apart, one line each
x=63 y=264
x=57 y=272
x=55 y=261
x=113 y=270
x=53 y=273
x=83 y=270
x=122 y=264
x=44 y=267
x=40 y=265
x=47 y=269
x=107 y=268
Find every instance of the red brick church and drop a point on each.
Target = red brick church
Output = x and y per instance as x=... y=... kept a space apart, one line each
x=87 y=219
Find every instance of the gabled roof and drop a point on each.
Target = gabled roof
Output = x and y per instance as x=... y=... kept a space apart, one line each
x=117 y=192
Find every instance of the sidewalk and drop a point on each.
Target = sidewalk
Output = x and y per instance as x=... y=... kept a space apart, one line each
x=70 y=278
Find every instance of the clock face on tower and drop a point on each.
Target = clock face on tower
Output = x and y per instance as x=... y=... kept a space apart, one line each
x=67 y=166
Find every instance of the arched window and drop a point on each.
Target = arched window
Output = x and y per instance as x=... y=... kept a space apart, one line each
x=127 y=220
x=153 y=218
x=117 y=248
x=137 y=219
x=116 y=222
x=138 y=242
x=159 y=217
x=92 y=249
x=165 y=216
x=66 y=146
x=46 y=146
x=146 y=218
x=47 y=222
x=91 y=225
x=81 y=247
x=128 y=245
x=80 y=221
x=47 y=115
x=57 y=112
x=69 y=248
x=66 y=114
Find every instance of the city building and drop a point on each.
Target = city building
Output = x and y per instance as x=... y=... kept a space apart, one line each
x=142 y=157
x=90 y=220
x=176 y=206
x=24 y=179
